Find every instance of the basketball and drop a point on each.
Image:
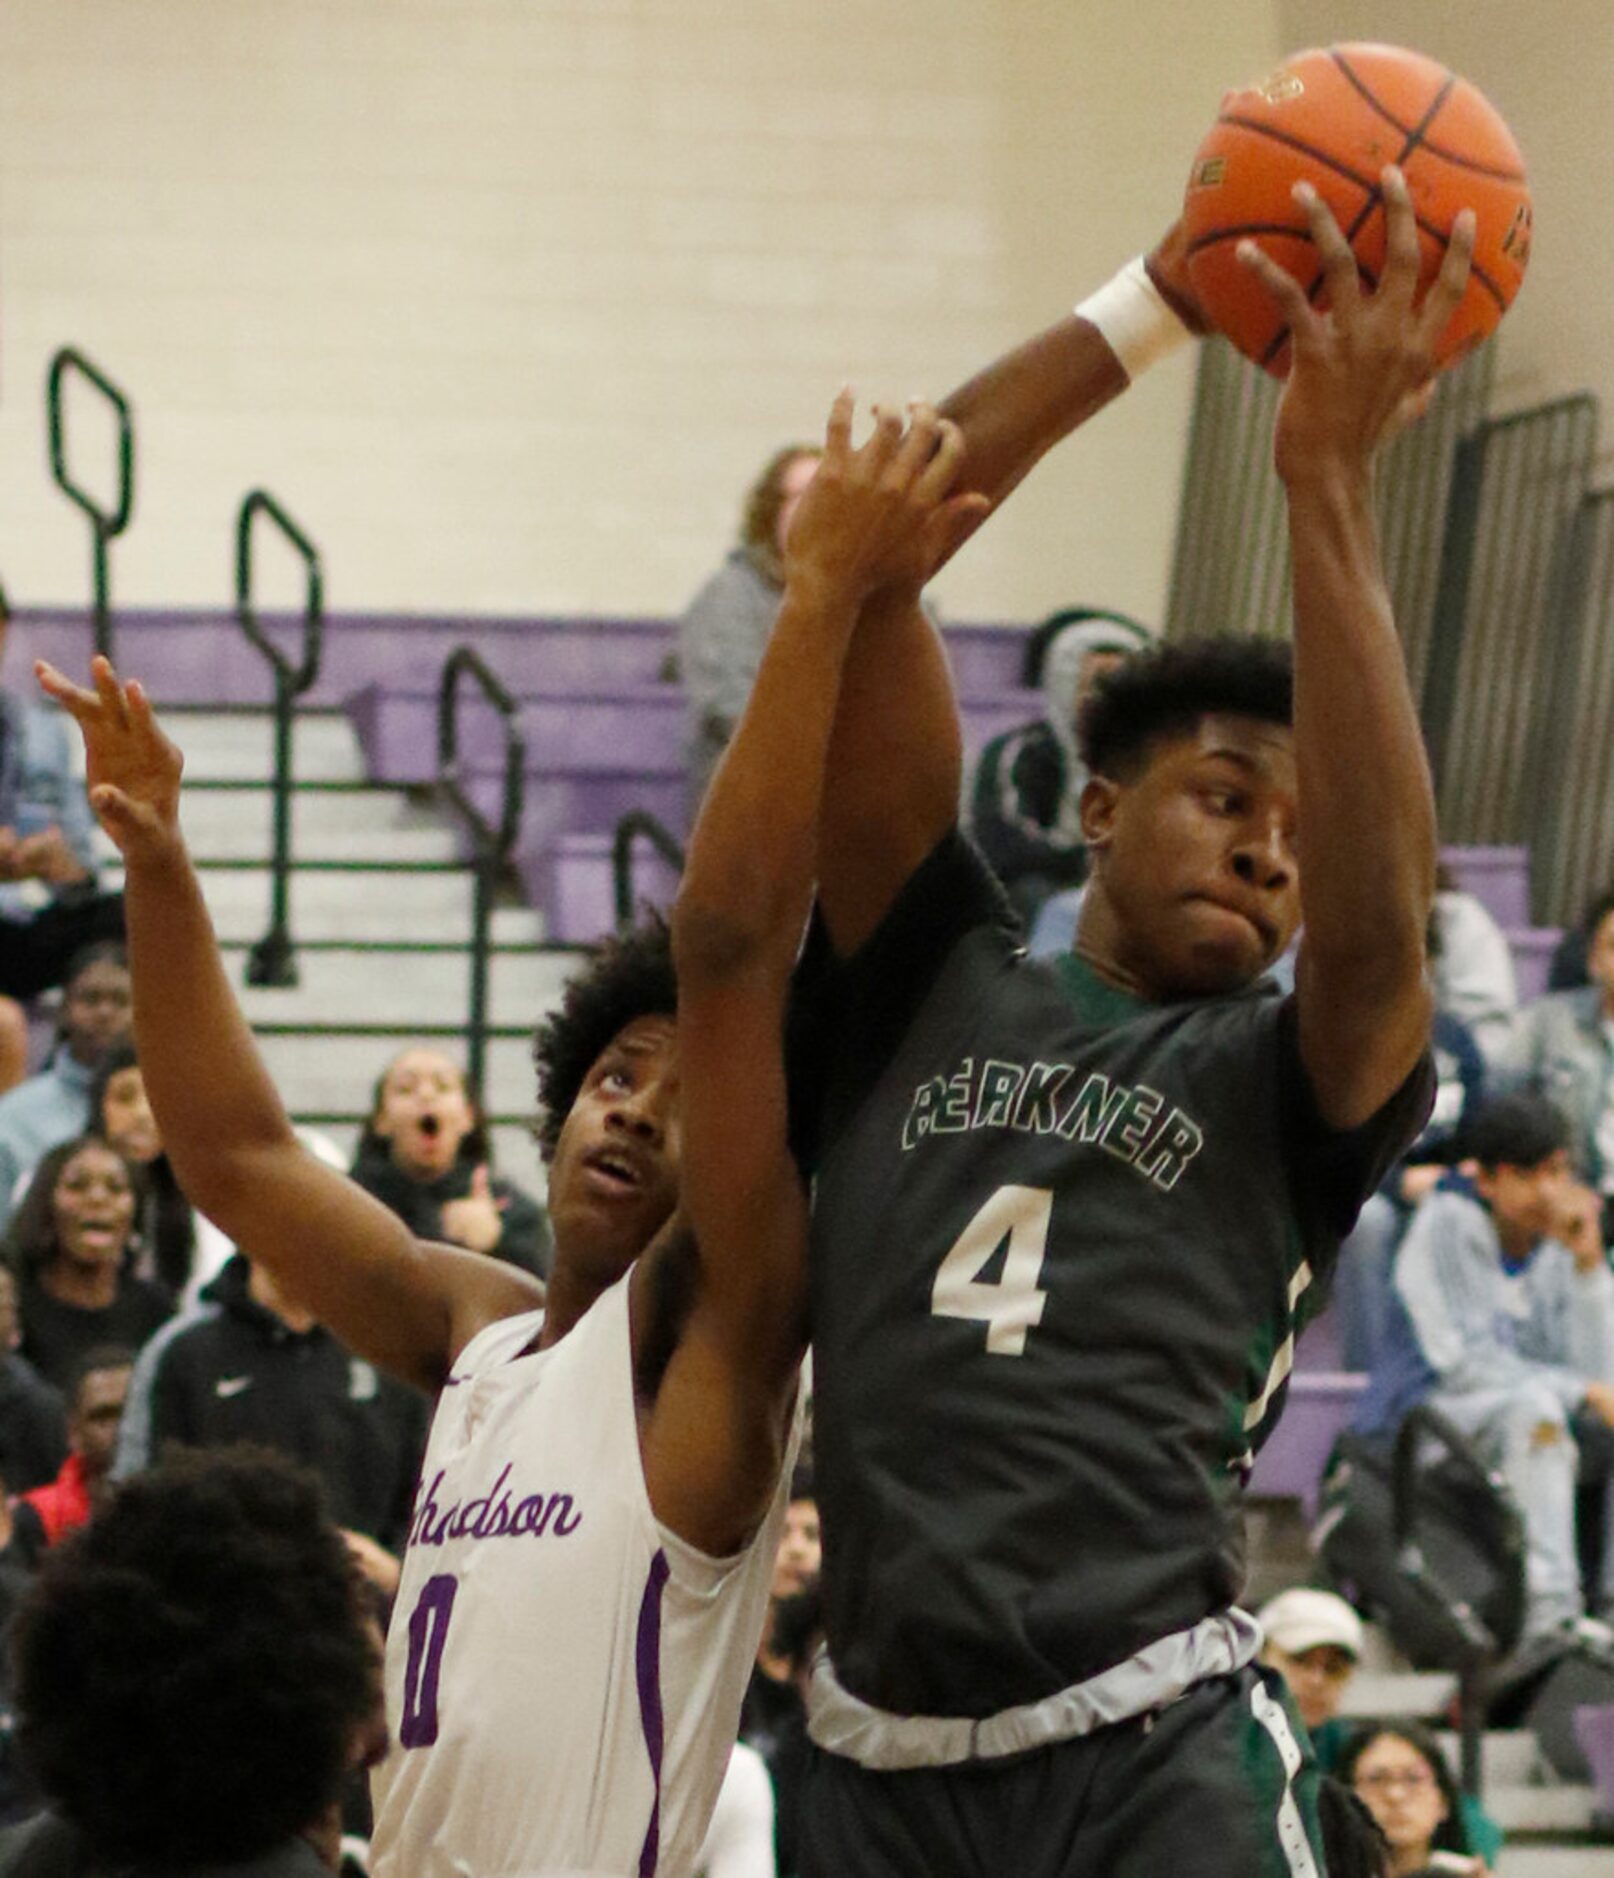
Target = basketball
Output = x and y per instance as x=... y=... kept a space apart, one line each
x=1334 y=118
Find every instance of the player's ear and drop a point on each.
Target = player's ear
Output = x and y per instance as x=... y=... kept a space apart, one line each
x=1100 y=800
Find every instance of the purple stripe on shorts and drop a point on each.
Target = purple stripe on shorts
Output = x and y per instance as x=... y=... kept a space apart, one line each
x=647 y=1662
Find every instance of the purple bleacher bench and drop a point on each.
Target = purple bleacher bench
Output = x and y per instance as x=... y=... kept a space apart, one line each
x=1319 y=1407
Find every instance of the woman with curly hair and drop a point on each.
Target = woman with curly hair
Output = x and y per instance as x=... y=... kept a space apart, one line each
x=70 y=1243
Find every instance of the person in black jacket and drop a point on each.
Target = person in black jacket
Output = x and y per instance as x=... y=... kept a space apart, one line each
x=33 y=1417
x=425 y=1154
x=252 y=1366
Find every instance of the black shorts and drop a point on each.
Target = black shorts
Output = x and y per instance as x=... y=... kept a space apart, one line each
x=1219 y=1784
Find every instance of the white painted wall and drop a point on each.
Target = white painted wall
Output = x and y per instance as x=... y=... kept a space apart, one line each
x=507 y=299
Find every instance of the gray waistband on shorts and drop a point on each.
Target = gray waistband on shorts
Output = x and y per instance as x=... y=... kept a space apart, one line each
x=844 y=1724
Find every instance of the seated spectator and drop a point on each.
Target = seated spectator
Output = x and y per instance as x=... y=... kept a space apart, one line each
x=54 y=1106
x=1398 y=1771
x=50 y=906
x=165 y=1229
x=1509 y=1301
x=425 y=1155
x=19 y=1794
x=773 y=1716
x=252 y=1366
x=70 y=1247
x=46 y=1515
x=1025 y=798
x=196 y=1675
x=1362 y=1295
x=1563 y=1045
x=1567 y=971
x=1314 y=1641
x=726 y=625
x=1471 y=964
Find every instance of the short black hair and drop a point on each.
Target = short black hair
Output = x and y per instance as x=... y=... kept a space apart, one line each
x=194 y=1666
x=97 y=952
x=95 y=1362
x=1518 y=1129
x=628 y=977
x=1168 y=690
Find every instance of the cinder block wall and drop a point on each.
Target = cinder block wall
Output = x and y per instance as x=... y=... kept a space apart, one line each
x=507 y=299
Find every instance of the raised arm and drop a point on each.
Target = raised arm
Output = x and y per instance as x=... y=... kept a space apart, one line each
x=1366 y=807
x=407 y=1305
x=712 y=1450
x=895 y=765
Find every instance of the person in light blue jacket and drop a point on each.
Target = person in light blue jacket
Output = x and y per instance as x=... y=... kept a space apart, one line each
x=1507 y=1288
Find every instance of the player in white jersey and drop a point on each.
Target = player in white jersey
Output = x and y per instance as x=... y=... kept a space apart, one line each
x=594 y=1532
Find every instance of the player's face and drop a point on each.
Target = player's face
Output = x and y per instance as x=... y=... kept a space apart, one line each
x=424 y=1113
x=614 y=1180
x=1399 y=1788
x=1195 y=857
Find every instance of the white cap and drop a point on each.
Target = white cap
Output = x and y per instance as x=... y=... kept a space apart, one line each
x=1303 y=1619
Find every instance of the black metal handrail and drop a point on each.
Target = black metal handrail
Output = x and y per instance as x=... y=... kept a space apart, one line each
x=492 y=842
x=105 y=524
x=637 y=824
x=273 y=960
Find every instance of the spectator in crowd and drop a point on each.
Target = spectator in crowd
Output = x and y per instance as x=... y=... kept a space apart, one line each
x=46 y=1515
x=197 y=1673
x=251 y=1365
x=165 y=1226
x=726 y=625
x=1563 y=1044
x=773 y=1718
x=1567 y=971
x=1509 y=1299
x=19 y=1794
x=70 y=1246
x=1398 y=1771
x=1314 y=1641
x=50 y=906
x=1472 y=964
x=1025 y=798
x=54 y=1106
x=33 y=1422
x=1362 y=1295
x=425 y=1154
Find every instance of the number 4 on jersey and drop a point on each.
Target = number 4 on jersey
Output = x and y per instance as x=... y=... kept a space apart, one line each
x=1010 y=1304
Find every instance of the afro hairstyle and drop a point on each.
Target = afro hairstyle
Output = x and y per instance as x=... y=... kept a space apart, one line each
x=193 y=1667
x=1169 y=690
x=628 y=977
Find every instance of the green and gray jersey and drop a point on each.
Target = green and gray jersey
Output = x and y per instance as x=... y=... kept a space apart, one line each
x=1062 y=1243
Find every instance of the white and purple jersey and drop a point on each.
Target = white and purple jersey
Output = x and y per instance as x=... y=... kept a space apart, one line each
x=564 y=1675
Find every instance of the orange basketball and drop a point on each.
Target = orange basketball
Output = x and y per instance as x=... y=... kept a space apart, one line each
x=1335 y=118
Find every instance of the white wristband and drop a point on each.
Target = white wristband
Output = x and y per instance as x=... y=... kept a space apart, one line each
x=1135 y=318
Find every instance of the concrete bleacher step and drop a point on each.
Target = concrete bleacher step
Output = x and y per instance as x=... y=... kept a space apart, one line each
x=1555 y=1861
x=238 y=746
x=329 y=822
x=332 y=1071
x=404 y=984
x=353 y=901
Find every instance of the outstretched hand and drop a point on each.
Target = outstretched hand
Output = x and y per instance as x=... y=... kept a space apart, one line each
x=883 y=515
x=1366 y=366
x=133 y=768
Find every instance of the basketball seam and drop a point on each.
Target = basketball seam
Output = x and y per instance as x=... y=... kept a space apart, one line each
x=1371 y=99
x=1414 y=138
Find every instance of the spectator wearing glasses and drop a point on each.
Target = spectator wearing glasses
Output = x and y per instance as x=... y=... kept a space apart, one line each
x=1400 y=1774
